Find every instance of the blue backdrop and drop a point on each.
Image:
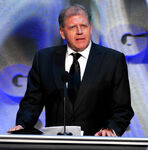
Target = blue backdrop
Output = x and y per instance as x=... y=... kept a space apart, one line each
x=29 y=25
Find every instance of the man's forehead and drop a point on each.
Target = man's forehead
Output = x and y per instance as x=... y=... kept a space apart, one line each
x=80 y=18
x=74 y=11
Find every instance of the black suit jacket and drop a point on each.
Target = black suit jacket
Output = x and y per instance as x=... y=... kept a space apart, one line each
x=103 y=100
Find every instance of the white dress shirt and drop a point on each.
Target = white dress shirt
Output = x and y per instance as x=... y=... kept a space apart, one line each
x=82 y=60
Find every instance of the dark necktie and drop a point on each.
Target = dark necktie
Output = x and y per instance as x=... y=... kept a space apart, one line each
x=74 y=78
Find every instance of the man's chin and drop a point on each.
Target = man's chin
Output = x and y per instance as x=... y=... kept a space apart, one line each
x=80 y=48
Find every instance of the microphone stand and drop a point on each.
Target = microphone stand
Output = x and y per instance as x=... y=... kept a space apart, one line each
x=64 y=78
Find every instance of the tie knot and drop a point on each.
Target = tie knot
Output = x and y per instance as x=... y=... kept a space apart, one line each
x=76 y=56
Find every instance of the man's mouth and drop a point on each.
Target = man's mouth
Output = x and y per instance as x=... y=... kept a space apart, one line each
x=80 y=39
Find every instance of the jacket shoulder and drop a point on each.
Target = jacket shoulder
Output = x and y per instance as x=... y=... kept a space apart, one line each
x=107 y=50
x=51 y=50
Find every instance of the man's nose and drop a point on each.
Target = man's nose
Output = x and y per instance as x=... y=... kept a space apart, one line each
x=79 y=30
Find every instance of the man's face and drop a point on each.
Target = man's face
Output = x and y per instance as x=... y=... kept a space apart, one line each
x=77 y=31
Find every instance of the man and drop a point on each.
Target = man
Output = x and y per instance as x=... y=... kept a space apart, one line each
x=102 y=105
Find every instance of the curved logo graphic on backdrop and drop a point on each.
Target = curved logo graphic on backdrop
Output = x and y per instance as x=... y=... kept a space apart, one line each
x=131 y=40
x=14 y=81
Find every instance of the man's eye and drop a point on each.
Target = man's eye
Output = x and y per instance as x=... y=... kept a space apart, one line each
x=73 y=27
x=84 y=26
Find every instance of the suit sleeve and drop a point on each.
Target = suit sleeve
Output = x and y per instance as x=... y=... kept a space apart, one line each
x=121 y=106
x=31 y=104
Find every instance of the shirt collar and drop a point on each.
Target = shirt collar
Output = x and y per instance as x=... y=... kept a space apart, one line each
x=84 y=53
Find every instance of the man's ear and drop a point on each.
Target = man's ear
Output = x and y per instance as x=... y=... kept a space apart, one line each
x=91 y=26
x=62 y=33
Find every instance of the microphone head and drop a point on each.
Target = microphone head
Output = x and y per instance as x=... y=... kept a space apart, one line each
x=65 y=77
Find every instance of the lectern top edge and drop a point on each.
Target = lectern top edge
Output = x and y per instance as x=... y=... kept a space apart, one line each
x=72 y=140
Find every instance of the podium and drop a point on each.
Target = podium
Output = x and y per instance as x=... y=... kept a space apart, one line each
x=42 y=142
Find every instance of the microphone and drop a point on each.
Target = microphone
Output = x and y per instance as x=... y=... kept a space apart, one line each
x=64 y=78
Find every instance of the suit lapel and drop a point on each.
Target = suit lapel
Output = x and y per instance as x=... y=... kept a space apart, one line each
x=59 y=65
x=58 y=70
x=95 y=58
